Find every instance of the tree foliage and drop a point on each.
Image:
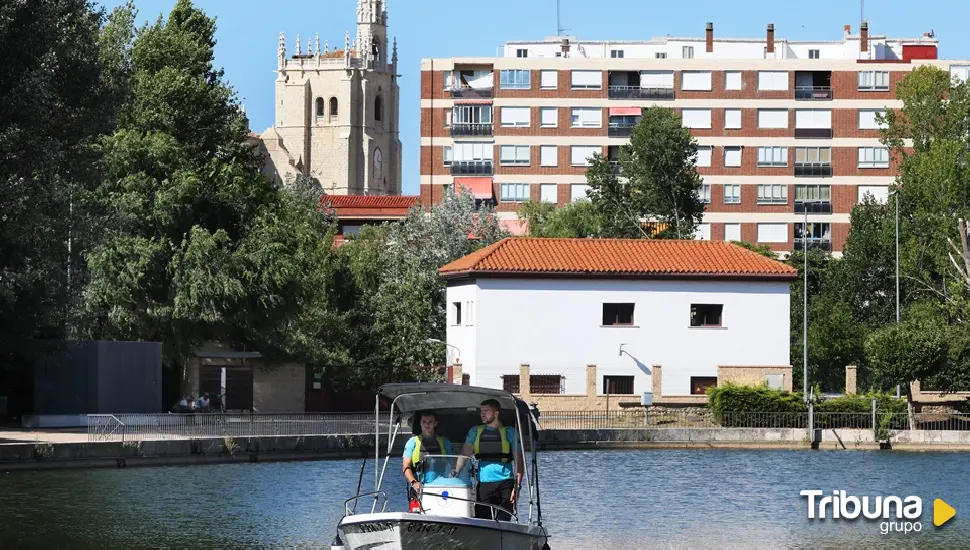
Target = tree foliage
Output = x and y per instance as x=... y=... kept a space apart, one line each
x=577 y=219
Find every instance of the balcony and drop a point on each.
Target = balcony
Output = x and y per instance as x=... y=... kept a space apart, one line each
x=813 y=133
x=813 y=93
x=813 y=207
x=615 y=165
x=472 y=129
x=824 y=244
x=813 y=170
x=636 y=92
x=471 y=168
x=469 y=92
x=620 y=129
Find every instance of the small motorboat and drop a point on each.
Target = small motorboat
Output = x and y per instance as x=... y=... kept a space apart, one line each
x=442 y=513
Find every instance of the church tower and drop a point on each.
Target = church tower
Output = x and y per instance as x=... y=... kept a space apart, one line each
x=337 y=111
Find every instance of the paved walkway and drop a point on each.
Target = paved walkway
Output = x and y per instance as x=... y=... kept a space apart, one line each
x=15 y=436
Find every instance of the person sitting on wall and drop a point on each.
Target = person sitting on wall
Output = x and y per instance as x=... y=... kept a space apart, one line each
x=428 y=442
x=495 y=446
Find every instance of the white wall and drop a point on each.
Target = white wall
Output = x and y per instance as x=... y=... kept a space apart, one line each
x=462 y=336
x=555 y=326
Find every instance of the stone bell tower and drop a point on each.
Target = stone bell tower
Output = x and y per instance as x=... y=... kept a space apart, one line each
x=337 y=111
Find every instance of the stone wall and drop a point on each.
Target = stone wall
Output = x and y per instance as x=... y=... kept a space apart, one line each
x=590 y=401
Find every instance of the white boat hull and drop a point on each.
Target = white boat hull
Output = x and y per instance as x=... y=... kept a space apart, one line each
x=404 y=531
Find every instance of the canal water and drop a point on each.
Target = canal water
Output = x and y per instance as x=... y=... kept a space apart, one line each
x=596 y=499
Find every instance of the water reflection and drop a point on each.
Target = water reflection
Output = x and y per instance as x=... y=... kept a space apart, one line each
x=614 y=499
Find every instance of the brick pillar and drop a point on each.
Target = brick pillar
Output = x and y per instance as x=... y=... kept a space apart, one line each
x=456 y=373
x=524 y=389
x=657 y=382
x=590 y=380
x=850 y=380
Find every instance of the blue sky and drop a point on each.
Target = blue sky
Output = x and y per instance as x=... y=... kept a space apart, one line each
x=248 y=32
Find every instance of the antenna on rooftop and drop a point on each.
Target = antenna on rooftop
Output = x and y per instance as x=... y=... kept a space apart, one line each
x=559 y=29
x=862 y=11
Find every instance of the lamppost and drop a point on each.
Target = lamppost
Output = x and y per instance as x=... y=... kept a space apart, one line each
x=895 y=194
x=457 y=351
x=805 y=300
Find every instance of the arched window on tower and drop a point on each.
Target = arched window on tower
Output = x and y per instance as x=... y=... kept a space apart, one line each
x=378 y=109
x=333 y=109
x=320 y=107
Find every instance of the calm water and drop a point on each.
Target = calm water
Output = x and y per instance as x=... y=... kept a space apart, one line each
x=599 y=499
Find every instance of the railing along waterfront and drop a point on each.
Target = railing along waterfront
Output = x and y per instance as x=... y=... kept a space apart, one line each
x=143 y=427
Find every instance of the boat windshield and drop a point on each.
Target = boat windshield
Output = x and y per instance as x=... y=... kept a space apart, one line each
x=438 y=470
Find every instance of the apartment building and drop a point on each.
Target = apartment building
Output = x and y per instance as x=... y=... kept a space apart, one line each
x=786 y=129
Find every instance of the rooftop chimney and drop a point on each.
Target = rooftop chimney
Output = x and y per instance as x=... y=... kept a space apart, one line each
x=847 y=29
x=771 y=38
x=565 y=47
x=864 y=37
x=710 y=37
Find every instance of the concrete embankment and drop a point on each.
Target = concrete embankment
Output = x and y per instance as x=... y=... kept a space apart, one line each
x=117 y=454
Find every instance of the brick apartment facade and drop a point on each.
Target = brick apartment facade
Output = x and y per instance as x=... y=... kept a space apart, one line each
x=783 y=127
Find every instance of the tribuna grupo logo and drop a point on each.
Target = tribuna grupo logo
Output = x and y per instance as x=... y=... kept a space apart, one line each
x=904 y=512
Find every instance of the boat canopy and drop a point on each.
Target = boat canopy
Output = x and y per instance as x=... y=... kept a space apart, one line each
x=414 y=396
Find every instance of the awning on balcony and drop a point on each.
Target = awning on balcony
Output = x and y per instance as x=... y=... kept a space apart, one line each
x=472 y=101
x=624 y=111
x=480 y=188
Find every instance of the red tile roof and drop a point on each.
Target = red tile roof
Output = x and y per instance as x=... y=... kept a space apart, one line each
x=370 y=201
x=618 y=258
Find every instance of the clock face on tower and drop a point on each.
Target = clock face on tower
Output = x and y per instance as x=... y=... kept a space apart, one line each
x=378 y=164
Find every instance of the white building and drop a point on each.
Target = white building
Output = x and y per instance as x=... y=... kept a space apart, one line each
x=625 y=306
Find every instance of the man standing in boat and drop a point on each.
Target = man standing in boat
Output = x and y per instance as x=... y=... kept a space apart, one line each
x=428 y=442
x=494 y=446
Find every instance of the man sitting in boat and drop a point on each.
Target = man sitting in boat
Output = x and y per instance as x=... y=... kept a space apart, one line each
x=428 y=442
x=495 y=446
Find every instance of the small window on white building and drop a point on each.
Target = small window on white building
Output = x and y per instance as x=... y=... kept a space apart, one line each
x=688 y=52
x=456 y=313
x=616 y=54
x=706 y=315
x=617 y=314
x=814 y=54
x=521 y=52
x=660 y=55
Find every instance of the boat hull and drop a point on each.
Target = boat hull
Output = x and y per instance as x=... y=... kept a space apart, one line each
x=403 y=531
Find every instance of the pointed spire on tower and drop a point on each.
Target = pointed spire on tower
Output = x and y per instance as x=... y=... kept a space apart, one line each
x=347 y=40
x=326 y=47
x=298 y=51
x=316 y=46
x=394 y=54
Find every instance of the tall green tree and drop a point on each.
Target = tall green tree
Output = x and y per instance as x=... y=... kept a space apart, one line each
x=197 y=245
x=578 y=219
x=612 y=201
x=660 y=169
x=55 y=103
x=396 y=272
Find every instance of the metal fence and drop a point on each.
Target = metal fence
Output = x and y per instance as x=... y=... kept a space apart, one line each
x=131 y=427
x=134 y=427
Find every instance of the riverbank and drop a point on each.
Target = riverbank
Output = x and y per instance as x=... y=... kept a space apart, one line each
x=64 y=451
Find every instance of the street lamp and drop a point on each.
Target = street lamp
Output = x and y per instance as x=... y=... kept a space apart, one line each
x=895 y=194
x=457 y=351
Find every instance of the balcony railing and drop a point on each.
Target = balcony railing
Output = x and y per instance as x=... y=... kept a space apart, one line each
x=620 y=130
x=636 y=92
x=471 y=168
x=813 y=207
x=615 y=165
x=469 y=92
x=471 y=129
x=813 y=242
x=813 y=93
x=813 y=170
x=813 y=133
